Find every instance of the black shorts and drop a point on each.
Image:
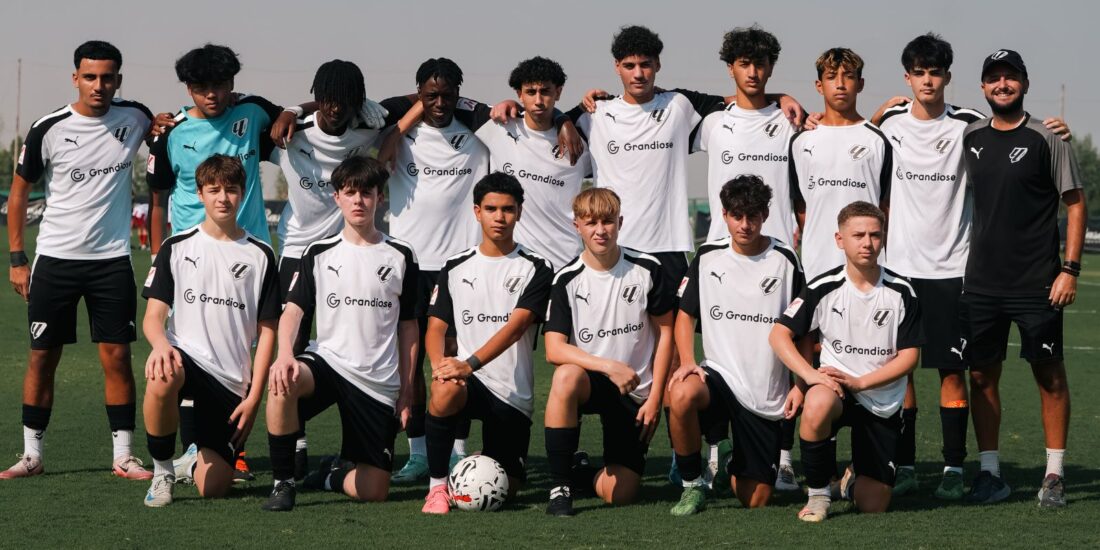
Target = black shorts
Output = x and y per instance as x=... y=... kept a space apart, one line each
x=756 y=440
x=874 y=440
x=506 y=431
x=617 y=412
x=674 y=265
x=368 y=426
x=213 y=405
x=939 y=302
x=986 y=320
x=109 y=293
x=288 y=274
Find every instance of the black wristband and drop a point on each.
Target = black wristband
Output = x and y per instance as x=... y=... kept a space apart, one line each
x=1076 y=266
x=474 y=362
x=1072 y=272
x=19 y=259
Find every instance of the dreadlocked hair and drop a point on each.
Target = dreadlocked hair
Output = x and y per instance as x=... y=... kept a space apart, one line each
x=339 y=82
x=439 y=68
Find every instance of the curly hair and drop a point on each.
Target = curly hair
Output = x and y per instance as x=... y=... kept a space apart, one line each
x=834 y=58
x=746 y=195
x=440 y=68
x=209 y=64
x=927 y=51
x=753 y=43
x=636 y=40
x=536 y=69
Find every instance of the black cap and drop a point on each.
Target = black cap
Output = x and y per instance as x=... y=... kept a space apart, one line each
x=1008 y=57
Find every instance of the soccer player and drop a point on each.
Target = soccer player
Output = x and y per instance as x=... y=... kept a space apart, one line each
x=735 y=288
x=608 y=334
x=221 y=286
x=845 y=159
x=362 y=284
x=85 y=153
x=870 y=333
x=492 y=295
x=1018 y=171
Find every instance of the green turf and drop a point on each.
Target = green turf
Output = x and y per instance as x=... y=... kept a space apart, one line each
x=79 y=504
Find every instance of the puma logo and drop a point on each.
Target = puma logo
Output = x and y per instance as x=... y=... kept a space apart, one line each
x=514 y=137
x=470 y=282
x=839 y=312
x=728 y=127
x=611 y=116
x=897 y=139
x=194 y=262
x=335 y=270
x=977 y=152
x=717 y=276
x=411 y=138
x=191 y=147
x=1049 y=347
x=306 y=153
x=962 y=347
x=73 y=140
x=585 y=297
x=810 y=151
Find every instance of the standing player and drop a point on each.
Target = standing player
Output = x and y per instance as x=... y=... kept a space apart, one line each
x=221 y=287
x=736 y=287
x=845 y=159
x=362 y=284
x=609 y=335
x=1018 y=171
x=869 y=321
x=85 y=153
x=492 y=295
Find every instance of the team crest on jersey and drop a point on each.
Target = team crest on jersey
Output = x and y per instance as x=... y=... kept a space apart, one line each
x=353 y=152
x=658 y=114
x=514 y=284
x=882 y=316
x=240 y=127
x=631 y=293
x=556 y=152
x=1017 y=154
x=121 y=132
x=466 y=104
x=768 y=285
x=458 y=140
x=37 y=329
x=152 y=275
x=384 y=273
x=792 y=309
x=770 y=130
x=943 y=145
x=858 y=151
x=239 y=270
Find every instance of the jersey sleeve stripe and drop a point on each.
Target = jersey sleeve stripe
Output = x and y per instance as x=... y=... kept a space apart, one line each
x=783 y=249
x=963 y=114
x=401 y=246
x=317 y=247
x=459 y=258
x=132 y=105
x=833 y=275
x=59 y=115
x=571 y=270
x=640 y=258
x=895 y=110
x=892 y=280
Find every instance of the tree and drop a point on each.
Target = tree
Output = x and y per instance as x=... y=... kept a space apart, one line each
x=1088 y=161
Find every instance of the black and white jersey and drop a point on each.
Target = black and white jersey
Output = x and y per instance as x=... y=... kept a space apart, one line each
x=749 y=141
x=219 y=291
x=737 y=299
x=88 y=166
x=476 y=295
x=930 y=205
x=1017 y=177
x=358 y=295
x=641 y=152
x=860 y=332
x=606 y=313
x=832 y=167
x=431 y=192
x=549 y=185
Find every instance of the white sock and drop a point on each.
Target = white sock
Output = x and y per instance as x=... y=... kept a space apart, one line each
x=328 y=482
x=910 y=468
x=459 y=448
x=418 y=446
x=1054 y=462
x=713 y=457
x=32 y=441
x=955 y=469
x=822 y=492
x=301 y=444
x=991 y=462
x=785 y=458
x=436 y=482
x=697 y=482
x=278 y=481
x=122 y=441
x=161 y=467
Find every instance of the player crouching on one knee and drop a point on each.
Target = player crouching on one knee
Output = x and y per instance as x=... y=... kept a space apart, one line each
x=869 y=324
x=221 y=285
x=609 y=335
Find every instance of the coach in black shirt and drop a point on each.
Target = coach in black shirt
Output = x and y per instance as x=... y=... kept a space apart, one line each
x=1018 y=171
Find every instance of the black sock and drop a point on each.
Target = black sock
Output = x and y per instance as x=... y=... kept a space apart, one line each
x=439 y=435
x=787 y=443
x=561 y=443
x=818 y=463
x=954 y=421
x=121 y=417
x=415 y=427
x=187 y=425
x=336 y=478
x=36 y=418
x=462 y=431
x=161 y=447
x=690 y=466
x=282 y=455
x=907 y=444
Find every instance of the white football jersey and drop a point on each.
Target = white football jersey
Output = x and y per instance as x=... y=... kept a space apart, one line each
x=606 y=313
x=832 y=167
x=860 y=332
x=930 y=206
x=358 y=295
x=476 y=295
x=431 y=192
x=88 y=164
x=737 y=299
x=747 y=141
x=219 y=291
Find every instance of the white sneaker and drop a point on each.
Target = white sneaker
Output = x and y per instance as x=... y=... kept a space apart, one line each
x=786 y=481
x=184 y=465
x=160 y=491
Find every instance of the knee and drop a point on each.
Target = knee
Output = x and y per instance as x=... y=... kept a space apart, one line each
x=982 y=380
x=684 y=396
x=115 y=357
x=444 y=398
x=42 y=362
x=815 y=410
x=162 y=390
x=372 y=496
x=566 y=381
x=1053 y=383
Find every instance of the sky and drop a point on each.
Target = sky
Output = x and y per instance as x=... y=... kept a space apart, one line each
x=281 y=45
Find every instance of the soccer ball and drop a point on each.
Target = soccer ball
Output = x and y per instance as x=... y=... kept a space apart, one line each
x=478 y=483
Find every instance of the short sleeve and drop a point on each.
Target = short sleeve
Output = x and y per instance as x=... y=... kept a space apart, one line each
x=537 y=292
x=271 y=110
x=792 y=173
x=660 y=300
x=559 y=311
x=703 y=104
x=886 y=174
x=910 y=330
x=397 y=107
x=32 y=158
x=158 y=170
x=701 y=142
x=441 y=306
x=689 y=289
x=409 y=284
x=799 y=316
x=270 y=306
x=473 y=114
x=302 y=286
x=160 y=283
x=1064 y=171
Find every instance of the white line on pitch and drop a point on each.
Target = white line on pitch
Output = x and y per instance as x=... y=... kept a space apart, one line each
x=1074 y=348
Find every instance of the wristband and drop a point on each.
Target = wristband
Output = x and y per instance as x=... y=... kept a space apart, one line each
x=1071 y=272
x=298 y=111
x=1076 y=266
x=19 y=259
x=474 y=362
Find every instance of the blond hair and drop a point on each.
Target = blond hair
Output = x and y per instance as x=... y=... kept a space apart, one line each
x=834 y=58
x=596 y=203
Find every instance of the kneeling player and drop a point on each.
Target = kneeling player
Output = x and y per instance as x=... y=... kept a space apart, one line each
x=736 y=288
x=492 y=294
x=361 y=283
x=869 y=320
x=609 y=335
x=220 y=283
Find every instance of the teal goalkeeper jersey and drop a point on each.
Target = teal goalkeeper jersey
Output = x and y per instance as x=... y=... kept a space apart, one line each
x=241 y=131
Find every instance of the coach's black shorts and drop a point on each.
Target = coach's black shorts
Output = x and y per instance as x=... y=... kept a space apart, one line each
x=939 y=304
x=506 y=431
x=874 y=439
x=213 y=405
x=674 y=265
x=986 y=320
x=756 y=440
x=288 y=275
x=368 y=426
x=109 y=293
x=617 y=412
